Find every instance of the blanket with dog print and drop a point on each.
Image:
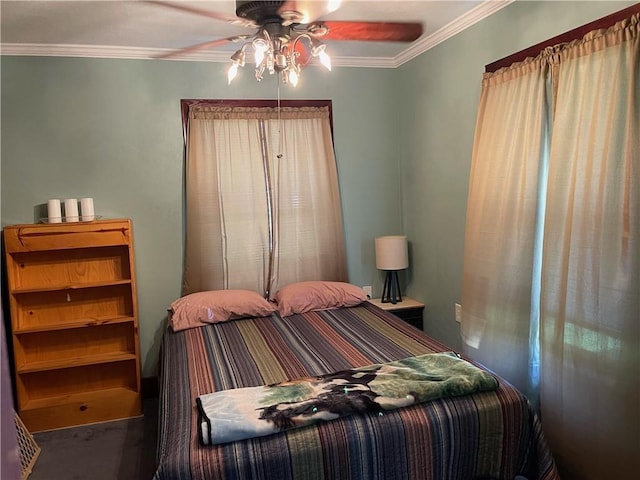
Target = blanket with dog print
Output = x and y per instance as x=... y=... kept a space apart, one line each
x=241 y=413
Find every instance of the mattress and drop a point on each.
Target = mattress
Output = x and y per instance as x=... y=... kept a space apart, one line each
x=492 y=434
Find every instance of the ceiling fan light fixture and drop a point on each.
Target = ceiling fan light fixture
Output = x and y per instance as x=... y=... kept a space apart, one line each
x=237 y=60
x=325 y=60
x=293 y=77
x=275 y=44
x=293 y=70
x=272 y=53
x=289 y=17
x=232 y=73
x=260 y=48
x=317 y=29
x=260 y=71
x=319 y=50
x=280 y=61
x=281 y=25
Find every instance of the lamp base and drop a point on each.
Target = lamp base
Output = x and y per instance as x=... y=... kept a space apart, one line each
x=391 y=289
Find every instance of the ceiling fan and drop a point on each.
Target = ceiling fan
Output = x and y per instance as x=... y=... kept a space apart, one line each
x=289 y=33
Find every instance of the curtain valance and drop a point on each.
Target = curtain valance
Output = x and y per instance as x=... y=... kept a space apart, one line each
x=214 y=112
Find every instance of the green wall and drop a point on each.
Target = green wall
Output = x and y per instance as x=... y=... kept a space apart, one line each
x=111 y=130
x=438 y=124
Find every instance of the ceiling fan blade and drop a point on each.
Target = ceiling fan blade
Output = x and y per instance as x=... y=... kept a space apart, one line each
x=372 y=31
x=203 y=46
x=205 y=13
x=310 y=9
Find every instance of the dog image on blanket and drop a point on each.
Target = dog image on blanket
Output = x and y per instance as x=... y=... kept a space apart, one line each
x=339 y=394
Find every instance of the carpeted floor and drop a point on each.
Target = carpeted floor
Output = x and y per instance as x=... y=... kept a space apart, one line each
x=118 y=450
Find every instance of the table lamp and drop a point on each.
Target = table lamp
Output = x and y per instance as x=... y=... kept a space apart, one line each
x=391 y=255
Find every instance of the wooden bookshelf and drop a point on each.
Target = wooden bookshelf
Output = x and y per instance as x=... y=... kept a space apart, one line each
x=74 y=322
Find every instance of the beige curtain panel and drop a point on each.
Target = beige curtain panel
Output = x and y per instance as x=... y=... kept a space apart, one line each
x=500 y=235
x=590 y=323
x=551 y=287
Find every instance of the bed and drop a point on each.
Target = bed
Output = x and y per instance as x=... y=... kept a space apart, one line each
x=486 y=435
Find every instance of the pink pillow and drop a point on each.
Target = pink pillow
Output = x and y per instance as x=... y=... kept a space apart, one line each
x=215 y=306
x=303 y=297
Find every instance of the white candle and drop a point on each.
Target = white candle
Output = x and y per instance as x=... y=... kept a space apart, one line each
x=86 y=207
x=54 y=212
x=71 y=210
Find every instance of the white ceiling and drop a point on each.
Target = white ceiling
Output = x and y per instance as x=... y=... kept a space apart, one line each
x=140 y=29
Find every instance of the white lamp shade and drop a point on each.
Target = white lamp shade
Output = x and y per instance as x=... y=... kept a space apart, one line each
x=392 y=252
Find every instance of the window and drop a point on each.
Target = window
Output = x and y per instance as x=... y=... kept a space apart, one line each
x=262 y=196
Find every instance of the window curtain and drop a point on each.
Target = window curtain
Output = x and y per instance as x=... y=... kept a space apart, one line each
x=590 y=326
x=262 y=199
x=500 y=236
x=559 y=308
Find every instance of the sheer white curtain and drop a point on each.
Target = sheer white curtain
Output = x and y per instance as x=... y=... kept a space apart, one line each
x=308 y=221
x=262 y=199
x=552 y=253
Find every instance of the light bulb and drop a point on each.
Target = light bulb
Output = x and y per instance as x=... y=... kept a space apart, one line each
x=233 y=71
x=260 y=47
x=293 y=77
x=333 y=5
x=325 y=59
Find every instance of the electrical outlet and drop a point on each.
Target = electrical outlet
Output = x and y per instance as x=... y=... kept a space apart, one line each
x=368 y=291
x=458 y=312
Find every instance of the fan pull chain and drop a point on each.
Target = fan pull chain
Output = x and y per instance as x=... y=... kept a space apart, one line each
x=279 y=156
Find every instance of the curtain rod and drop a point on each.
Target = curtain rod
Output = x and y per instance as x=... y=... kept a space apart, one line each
x=576 y=33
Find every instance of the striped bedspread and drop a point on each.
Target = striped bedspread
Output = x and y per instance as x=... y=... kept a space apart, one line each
x=492 y=434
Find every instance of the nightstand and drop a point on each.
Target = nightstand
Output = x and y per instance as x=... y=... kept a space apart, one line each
x=408 y=309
